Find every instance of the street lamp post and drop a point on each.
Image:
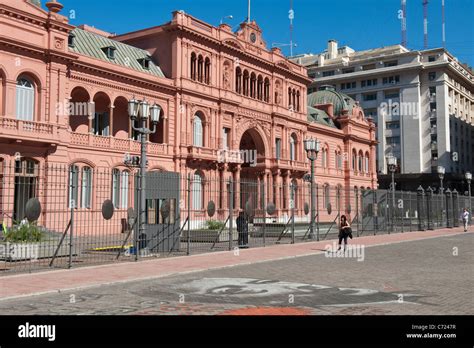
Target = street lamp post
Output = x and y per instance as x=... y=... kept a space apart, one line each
x=441 y=172
x=312 y=147
x=140 y=110
x=469 y=179
x=392 y=167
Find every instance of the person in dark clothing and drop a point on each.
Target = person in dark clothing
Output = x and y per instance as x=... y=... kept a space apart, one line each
x=243 y=229
x=344 y=232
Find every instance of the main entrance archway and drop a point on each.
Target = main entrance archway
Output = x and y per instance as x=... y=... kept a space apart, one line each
x=252 y=149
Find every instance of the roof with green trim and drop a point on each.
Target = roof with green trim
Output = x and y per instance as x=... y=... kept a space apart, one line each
x=92 y=45
x=328 y=95
x=320 y=116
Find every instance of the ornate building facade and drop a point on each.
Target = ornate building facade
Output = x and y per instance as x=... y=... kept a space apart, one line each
x=64 y=92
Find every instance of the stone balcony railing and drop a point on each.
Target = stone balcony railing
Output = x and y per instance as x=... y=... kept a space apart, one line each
x=28 y=130
x=117 y=144
x=202 y=153
x=288 y=164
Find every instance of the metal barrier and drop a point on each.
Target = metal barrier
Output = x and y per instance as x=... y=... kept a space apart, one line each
x=90 y=215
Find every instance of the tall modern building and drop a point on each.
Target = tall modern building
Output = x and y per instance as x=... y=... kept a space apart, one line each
x=421 y=101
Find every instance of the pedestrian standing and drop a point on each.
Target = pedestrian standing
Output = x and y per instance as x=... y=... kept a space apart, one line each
x=465 y=219
x=242 y=229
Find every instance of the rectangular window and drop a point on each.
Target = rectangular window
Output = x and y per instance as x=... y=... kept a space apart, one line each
x=390 y=63
x=348 y=70
x=328 y=73
x=368 y=67
x=431 y=58
x=392 y=125
x=368 y=97
x=392 y=94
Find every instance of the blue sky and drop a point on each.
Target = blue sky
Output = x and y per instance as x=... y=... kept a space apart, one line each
x=361 y=24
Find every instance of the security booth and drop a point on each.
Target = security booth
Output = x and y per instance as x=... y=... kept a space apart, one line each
x=162 y=223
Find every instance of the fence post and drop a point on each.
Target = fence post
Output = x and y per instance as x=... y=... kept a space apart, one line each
x=429 y=197
x=292 y=191
x=419 y=207
x=455 y=208
x=375 y=212
x=71 y=230
x=231 y=212
x=358 y=213
x=449 y=202
x=188 y=237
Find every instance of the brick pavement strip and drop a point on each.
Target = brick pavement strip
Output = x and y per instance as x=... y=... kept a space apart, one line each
x=16 y=286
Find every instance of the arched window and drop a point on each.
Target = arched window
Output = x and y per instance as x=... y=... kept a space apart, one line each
x=197 y=191
x=120 y=184
x=25 y=99
x=338 y=160
x=200 y=69
x=354 y=160
x=267 y=90
x=294 y=185
x=367 y=162
x=260 y=87
x=246 y=83
x=326 y=197
x=338 y=197
x=198 y=134
x=361 y=162
x=293 y=142
x=238 y=80
x=324 y=158
x=86 y=188
x=294 y=99
x=253 y=84
x=193 y=66
x=290 y=105
x=207 y=71
x=80 y=181
x=298 y=101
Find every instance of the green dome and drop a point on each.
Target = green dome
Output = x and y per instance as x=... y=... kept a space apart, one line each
x=328 y=95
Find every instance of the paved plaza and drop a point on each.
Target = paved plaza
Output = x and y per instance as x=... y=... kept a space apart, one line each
x=393 y=274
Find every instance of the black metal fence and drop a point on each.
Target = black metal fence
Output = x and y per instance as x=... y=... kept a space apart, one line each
x=57 y=216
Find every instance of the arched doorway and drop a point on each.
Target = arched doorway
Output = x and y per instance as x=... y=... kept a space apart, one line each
x=252 y=154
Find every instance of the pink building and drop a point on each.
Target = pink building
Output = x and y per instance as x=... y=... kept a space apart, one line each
x=63 y=100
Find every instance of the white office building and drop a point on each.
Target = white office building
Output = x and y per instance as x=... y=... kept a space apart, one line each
x=422 y=102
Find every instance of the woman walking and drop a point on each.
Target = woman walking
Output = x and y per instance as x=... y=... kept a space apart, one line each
x=344 y=232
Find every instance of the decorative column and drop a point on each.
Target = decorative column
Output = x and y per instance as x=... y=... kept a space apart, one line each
x=238 y=168
x=111 y=120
